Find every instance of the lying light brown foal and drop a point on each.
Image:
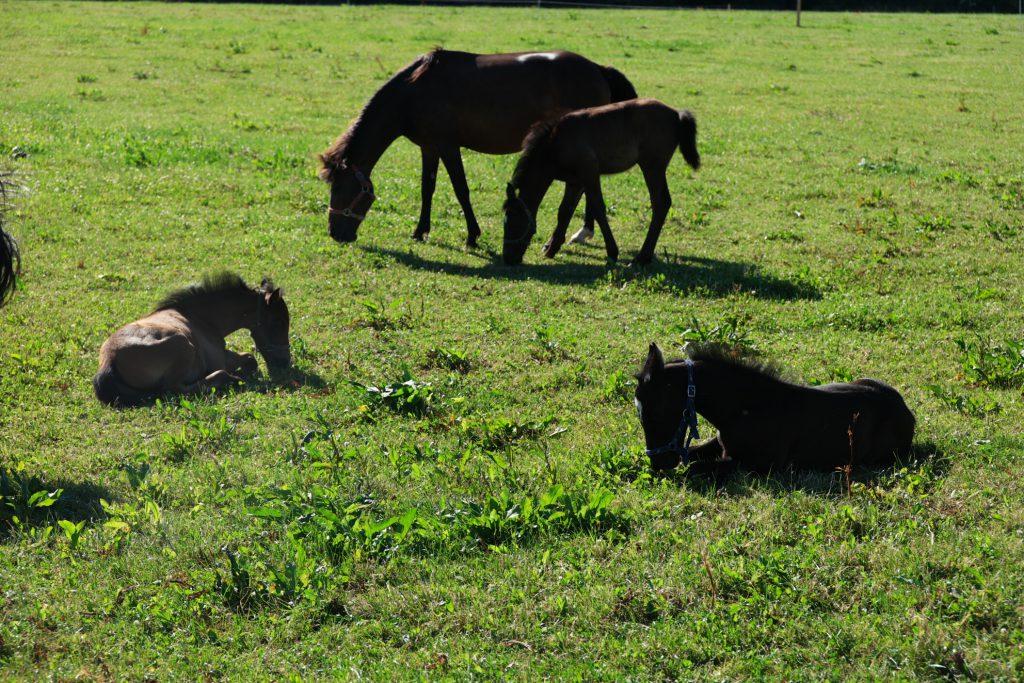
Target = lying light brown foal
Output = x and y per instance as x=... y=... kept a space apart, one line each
x=180 y=347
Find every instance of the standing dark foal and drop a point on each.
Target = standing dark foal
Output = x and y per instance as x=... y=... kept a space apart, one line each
x=581 y=147
x=445 y=101
x=763 y=422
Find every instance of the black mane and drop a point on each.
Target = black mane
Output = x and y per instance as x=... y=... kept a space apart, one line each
x=217 y=284
x=733 y=357
x=534 y=145
x=336 y=156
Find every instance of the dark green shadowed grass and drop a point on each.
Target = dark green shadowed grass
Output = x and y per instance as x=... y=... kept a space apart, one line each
x=452 y=481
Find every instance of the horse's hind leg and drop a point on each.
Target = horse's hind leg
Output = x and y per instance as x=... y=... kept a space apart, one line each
x=453 y=163
x=661 y=202
x=428 y=181
x=565 y=211
x=586 y=233
x=596 y=201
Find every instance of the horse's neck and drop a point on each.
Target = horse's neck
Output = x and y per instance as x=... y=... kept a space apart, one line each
x=378 y=126
x=722 y=390
x=228 y=313
x=533 y=189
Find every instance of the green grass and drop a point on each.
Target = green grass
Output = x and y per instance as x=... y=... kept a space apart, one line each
x=859 y=214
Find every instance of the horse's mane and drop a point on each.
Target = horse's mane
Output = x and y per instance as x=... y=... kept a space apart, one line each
x=734 y=357
x=333 y=158
x=533 y=147
x=216 y=284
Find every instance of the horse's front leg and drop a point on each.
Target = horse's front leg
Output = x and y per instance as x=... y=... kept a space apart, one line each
x=219 y=379
x=565 y=211
x=661 y=202
x=428 y=181
x=586 y=233
x=453 y=163
x=596 y=201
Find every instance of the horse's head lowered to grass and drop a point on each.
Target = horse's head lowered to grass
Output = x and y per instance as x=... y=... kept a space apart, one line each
x=351 y=197
x=271 y=330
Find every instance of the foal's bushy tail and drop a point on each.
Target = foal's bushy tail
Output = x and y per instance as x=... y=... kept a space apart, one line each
x=112 y=391
x=688 y=138
x=9 y=263
x=10 y=258
x=620 y=87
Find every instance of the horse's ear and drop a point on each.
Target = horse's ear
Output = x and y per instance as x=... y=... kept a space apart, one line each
x=510 y=192
x=654 y=364
x=270 y=295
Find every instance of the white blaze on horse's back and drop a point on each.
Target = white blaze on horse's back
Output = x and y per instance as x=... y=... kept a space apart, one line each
x=550 y=56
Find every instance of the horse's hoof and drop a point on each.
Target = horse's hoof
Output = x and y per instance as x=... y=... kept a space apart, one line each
x=641 y=260
x=551 y=250
x=582 y=236
x=420 y=236
x=471 y=243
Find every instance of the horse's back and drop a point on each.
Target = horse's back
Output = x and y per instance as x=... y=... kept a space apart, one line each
x=488 y=102
x=146 y=353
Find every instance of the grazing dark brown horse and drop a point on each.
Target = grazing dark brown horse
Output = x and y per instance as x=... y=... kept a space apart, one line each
x=10 y=257
x=179 y=348
x=445 y=101
x=582 y=146
x=765 y=423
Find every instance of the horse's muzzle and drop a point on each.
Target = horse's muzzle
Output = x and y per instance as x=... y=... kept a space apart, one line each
x=342 y=230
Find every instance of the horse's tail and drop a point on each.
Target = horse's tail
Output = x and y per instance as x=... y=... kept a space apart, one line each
x=688 y=138
x=10 y=257
x=113 y=392
x=620 y=87
x=10 y=263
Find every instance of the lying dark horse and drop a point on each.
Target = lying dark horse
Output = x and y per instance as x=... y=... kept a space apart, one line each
x=445 y=101
x=763 y=422
x=581 y=147
x=10 y=259
x=179 y=347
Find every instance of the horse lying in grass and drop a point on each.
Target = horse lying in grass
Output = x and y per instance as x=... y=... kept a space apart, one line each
x=765 y=423
x=179 y=348
x=582 y=146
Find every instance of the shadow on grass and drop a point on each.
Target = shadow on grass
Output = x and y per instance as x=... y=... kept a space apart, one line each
x=78 y=501
x=735 y=480
x=290 y=380
x=677 y=273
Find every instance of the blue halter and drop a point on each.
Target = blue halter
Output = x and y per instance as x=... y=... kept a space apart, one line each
x=687 y=430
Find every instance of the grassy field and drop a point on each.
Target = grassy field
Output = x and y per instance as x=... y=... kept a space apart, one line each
x=859 y=214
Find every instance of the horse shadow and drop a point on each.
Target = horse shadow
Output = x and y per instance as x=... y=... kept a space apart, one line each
x=287 y=380
x=679 y=274
x=926 y=455
x=79 y=501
